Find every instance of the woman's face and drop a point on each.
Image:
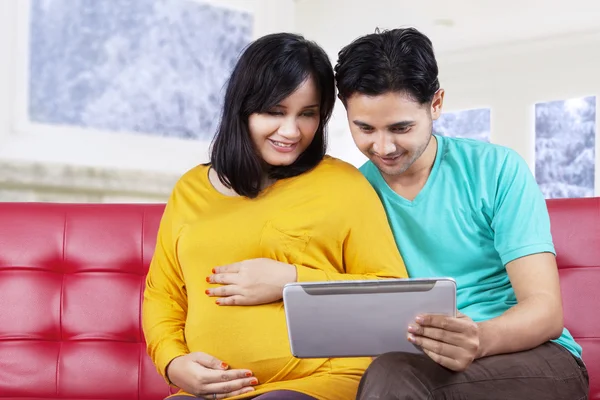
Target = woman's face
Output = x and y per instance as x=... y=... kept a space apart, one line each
x=281 y=134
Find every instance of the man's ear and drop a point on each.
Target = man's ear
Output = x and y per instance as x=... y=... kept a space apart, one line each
x=437 y=104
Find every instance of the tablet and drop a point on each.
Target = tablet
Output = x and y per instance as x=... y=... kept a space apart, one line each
x=361 y=318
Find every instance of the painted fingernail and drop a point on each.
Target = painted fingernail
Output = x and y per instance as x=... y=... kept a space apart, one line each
x=207 y=291
x=217 y=302
x=214 y=271
x=254 y=382
x=223 y=365
x=248 y=374
x=208 y=279
x=411 y=338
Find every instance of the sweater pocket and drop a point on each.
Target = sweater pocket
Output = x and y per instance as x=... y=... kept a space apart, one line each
x=285 y=245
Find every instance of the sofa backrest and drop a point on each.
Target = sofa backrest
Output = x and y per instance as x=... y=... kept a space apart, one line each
x=576 y=234
x=71 y=284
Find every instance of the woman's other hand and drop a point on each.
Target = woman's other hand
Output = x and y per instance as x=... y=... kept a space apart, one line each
x=250 y=282
x=204 y=376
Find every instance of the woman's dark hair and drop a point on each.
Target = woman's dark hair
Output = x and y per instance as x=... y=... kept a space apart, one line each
x=269 y=70
x=398 y=60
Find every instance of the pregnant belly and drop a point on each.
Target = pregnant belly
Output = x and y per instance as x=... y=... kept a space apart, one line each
x=252 y=337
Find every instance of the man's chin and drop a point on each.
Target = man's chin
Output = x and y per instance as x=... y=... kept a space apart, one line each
x=391 y=170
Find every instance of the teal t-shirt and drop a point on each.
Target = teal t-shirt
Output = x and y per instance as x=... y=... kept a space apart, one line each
x=479 y=209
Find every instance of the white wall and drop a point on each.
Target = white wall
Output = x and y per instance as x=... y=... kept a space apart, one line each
x=508 y=78
x=22 y=141
x=511 y=79
x=6 y=40
x=60 y=163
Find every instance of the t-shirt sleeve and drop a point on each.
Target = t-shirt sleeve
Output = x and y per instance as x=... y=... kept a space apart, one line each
x=520 y=221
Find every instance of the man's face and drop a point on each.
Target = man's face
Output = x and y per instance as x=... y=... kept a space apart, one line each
x=392 y=129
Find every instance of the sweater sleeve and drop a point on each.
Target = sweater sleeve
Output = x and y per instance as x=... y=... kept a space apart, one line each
x=165 y=300
x=368 y=245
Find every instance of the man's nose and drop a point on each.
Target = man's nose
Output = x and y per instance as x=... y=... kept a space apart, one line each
x=384 y=144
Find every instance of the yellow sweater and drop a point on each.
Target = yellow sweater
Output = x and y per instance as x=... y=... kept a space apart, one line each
x=328 y=222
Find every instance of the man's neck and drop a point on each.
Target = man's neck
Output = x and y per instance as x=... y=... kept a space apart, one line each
x=410 y=183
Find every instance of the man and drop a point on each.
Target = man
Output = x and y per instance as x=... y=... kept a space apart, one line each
x=465 y=209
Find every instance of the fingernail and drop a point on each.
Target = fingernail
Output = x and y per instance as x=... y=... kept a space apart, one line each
x=207 y=291
x=217 y=302
x=208 y=279
x=254 y=382
x=214 y=271
x=411 y=328
x=223 y=365
x=411 y=338
x=419 y=319
x=248 y=374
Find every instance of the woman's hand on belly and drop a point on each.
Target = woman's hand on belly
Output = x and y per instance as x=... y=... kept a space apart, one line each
x=251 y=282
x=204 y=376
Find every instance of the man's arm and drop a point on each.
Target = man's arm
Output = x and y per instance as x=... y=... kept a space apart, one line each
x=522 y=237
x=538 y=316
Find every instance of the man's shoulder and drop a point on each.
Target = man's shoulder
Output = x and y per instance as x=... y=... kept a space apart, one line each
x=370 y=171
x=485 y=157
x=472 y=148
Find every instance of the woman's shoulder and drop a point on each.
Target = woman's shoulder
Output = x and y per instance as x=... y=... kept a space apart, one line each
x=195 y=176
x=339 y=174
x=338 y=167
x=192 y=184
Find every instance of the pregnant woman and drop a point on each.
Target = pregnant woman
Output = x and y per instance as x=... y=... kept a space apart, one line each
x=270 y=208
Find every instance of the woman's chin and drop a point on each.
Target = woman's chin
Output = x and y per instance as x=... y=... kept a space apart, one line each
x=281 y=161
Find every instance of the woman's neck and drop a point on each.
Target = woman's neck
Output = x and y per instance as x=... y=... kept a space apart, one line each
x=220 y=187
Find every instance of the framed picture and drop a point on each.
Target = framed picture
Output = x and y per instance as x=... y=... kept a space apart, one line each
x=471 y=124
x=152 y=67
x=565 y=142
x=112 y=95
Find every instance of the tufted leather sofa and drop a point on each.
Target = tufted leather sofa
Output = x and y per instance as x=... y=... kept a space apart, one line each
x=71 y=282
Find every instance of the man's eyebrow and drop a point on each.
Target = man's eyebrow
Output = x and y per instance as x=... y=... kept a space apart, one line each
x=400 y=124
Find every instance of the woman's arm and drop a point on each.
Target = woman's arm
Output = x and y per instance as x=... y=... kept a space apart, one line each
x=368 y=252
x=164 y=307
x=369 y=249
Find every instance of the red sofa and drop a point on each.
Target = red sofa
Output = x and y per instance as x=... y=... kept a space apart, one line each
x=71 y=282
